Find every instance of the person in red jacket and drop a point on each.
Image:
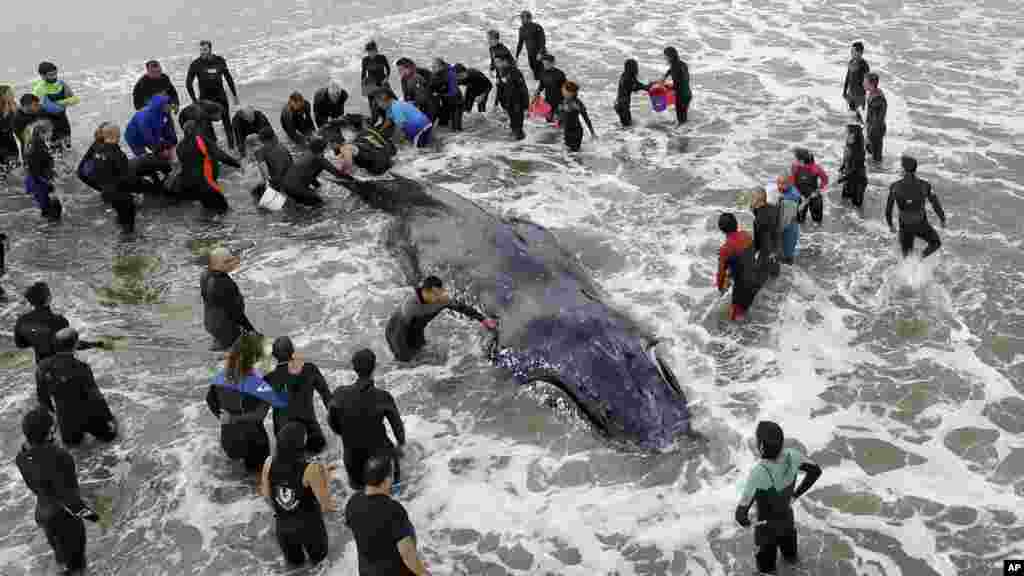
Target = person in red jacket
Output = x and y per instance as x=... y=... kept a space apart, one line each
x=736 y=266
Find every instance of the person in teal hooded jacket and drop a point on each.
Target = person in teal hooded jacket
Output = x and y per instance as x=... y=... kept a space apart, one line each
x=151 y=129
x=56 y=97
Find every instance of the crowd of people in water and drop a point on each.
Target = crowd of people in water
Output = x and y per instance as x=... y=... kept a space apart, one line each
x=297 y=486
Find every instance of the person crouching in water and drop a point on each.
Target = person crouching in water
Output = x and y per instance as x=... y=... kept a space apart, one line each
x=240 y=398
x=299 y=492
x=789 y=208
x=40 y=173
x=736 y=265
x=772 y=485
x=572 y=109
x=301 y=182
x=200 y=159
x=854 y=174
x=405 y=117
x=404 y=331
x=767 y=235
x=628 y=83
x=811 y=180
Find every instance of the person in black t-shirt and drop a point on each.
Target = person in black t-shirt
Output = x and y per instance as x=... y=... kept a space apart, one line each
x=385 y=538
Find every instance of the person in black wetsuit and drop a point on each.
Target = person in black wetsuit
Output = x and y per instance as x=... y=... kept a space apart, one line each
x=357 y=414
x=404 y=331
x=329 y=112
x=877 y=107
x=300 y=182
x=297 y=119
x=571 y=110
x=478 y=87
x=212 y=71
x=66 y=385
x=853 y=173
x=628 y=83
x=204 y=113
x=736 y=267
x=680 y=74
x=248 y=121
x=273 y=161
x=299 y=493
x=532 y=36
x=416 y=87
x=910 y=194
x=550 y=84
x=856 y=71
x=154 y=82
x=444 y=84
x=297 y=379
x=200 y=160
x=767 y=236
x=40 y=170
x=49 y=472
x=374 y=75
x=240 y=398
x=772 y=486
x=515 y=94
x=223 y=305
x=497 y=51
x=371 y=150
x=38 y=329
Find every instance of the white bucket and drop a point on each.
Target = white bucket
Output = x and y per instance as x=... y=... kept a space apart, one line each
x=272 y=199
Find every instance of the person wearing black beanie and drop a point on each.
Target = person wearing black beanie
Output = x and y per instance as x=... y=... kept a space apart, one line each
x=772 y=485
x=297 y=379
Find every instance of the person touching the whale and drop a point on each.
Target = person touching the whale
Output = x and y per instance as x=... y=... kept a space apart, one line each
x=300 y=182
x=404 y=331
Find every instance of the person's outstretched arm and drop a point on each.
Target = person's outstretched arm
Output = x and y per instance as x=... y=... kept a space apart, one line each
x=811 y=474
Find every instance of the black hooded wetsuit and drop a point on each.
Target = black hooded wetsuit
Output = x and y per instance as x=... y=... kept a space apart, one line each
x=299 y=390
x=357 y=414
x=910 y=194
x=854 y=173
x=66 y=384
x=877 y=107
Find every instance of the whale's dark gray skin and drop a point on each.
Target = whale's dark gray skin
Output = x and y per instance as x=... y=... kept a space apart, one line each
x=554 y=325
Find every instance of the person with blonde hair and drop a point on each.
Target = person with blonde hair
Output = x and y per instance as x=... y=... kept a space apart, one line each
x=224 y=307
x=8 y=143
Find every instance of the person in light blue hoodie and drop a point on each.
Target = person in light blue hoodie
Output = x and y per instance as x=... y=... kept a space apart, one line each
x=789 y=200
x=151 y=129
x=405 y=116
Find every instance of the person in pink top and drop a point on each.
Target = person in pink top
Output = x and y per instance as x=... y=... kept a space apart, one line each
x=811 y=180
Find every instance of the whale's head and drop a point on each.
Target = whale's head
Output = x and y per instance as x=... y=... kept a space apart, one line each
x=609 y=368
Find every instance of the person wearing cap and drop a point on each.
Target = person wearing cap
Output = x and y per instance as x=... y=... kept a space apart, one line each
x=154 y=82
x=38 y=329
x=297 y=119
x=49 y=472
x=532 y=36
x=296 y=379
x=416 y=86
x=56 y=97
x=374 y=75
x=854 y=173
x=478 y=87
x=856 y=72
x=406 y=326
x=550 y=84
x=811 y=180
x=910 y=194
x=772 y=486
x=223 y=305
x=212 y=71
x=405 y=117
x=66 y=385
x=329 y=111
x=385 y=538
x=301 y=182
x=248 y=121
x=877 y=107
x=736 y=267
x=357 y=414
x=515 y=95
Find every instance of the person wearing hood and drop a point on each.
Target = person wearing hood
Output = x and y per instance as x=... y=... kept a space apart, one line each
x=445 y=87
x=248 y=121
x=56 y=97
x=812 y=180
x=416 y=86
x=154 y=82
x=299 y=493
x=38 y=329
x=531 y=35
x=10 y=152
x=405 y=328
x=767 y=236
x=416 y=126
x=357 y=414
x=550 y=84
x=910 y=193
x=789 y=209
x=877 y=107
x=515 y=95
x=297 y=119
x=296 y=379
x=223 y=305
x=301 y=181
x=212 y=71
x=204 y=113
x=853 y=173
x=40 y=170
x=679 y=72
x=200 y=160
x=371 y=151
x=329 y=111
x=151 y=130
x=772 y=486
x=65 y=385
x=49 y=472
x=736 y=267
x=478 y=87
x=628 y=83
x=240 y=398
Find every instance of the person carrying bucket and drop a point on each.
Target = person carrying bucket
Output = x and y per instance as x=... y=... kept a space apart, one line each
x=628 y=83
x=550 y=84
x=680 y=74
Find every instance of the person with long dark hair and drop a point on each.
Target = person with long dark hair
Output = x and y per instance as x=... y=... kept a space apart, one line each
x=39 y=171
x=680 y=74
x=628 y=83
x=853 y=173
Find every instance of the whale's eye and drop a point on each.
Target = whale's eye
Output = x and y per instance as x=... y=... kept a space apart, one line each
x=661 y=360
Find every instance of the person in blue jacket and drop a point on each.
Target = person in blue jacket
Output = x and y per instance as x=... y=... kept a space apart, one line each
x=151 y=129
x=405 y=116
